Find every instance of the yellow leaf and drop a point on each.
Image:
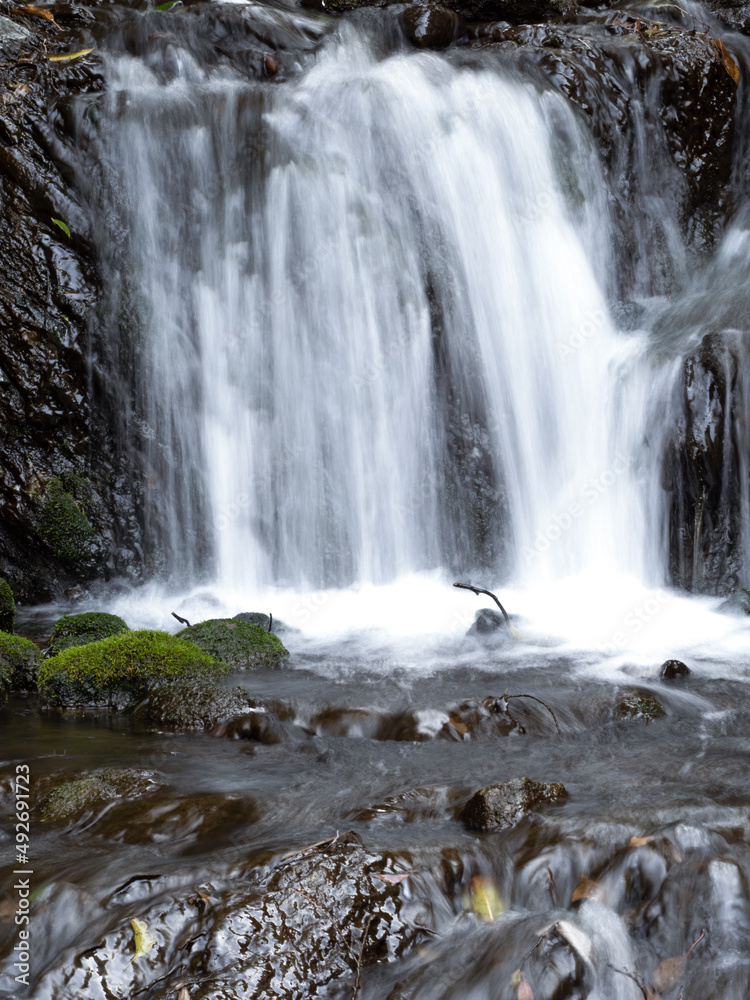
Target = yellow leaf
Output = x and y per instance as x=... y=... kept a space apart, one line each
x=144 y=939
x=68 y=56
x=640 y=841
x=727 y=60
x=38 y=12
x=515 y=979
x=485 y=899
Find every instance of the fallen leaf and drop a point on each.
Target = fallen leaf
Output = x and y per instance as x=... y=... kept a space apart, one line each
x=515 y=979
x=525 y=992
x=61 y=224
x=587 y=889
x=459 y=725
x=39 y=12
x=206 y=899
x=727 y=60
x=669 y=973
x=640 y=841
x=485 y=899
x=144 y=939
x=68 y=56
x=183 y=994
x=394 y=879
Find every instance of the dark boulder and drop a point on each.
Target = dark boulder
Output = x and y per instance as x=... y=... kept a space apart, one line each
x=19 y=664
x=513 y=11
x=488 y=623
x=639 y=705
x=184 y=704
x=431 y=27
x=7 y=607
x=672 y=669
x=498 y=807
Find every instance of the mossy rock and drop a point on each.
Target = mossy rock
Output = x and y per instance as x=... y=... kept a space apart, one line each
x=116 y=672
x=498 y=807
x=19 y=662
x=238 y=643
x=259 y=618
x=65 y=527
x=72 y=799
x=7 y=607
x=182 y=704
x=639 y=705
x=80 y=630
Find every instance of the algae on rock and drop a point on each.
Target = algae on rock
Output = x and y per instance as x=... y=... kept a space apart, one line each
x=19 y=663
x=238 y=643
x=82 y=629
x=7 y=607
x=115 y=672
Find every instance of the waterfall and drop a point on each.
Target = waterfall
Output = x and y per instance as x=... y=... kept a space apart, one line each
x=374 y=333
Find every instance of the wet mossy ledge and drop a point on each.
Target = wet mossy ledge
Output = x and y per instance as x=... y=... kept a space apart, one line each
x=82 y=629
x=7 y=607
x=19 y=664
x=240 y=644
x=115 y=672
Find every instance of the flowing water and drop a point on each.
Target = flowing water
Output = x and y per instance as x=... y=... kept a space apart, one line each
x=370 y=318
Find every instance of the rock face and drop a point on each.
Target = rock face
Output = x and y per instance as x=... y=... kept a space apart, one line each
x=500 y=806
x=68 y=505
x=705 y=467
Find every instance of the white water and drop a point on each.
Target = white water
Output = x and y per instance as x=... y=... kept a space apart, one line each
x=289 y=239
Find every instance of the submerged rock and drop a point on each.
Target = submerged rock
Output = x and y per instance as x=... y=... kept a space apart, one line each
x=116 y=672
x=7 y=607
x=80 y=630
x=73 y=799
x=488 y=622
x=237 y=643
x=19 y=664
x=182 y=704
x=639 y=705
x=500 y=806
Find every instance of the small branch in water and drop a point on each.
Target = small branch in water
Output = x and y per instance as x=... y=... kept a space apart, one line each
x=697 y=941
x=647 y=994
x=361 y=954
x=270 y=621
x=534 y=698
x=182 y=621
x=478 y=591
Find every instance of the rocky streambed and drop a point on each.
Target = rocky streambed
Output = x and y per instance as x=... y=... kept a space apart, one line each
x=340 y=828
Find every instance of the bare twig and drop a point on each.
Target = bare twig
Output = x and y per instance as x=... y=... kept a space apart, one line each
x=478 y=591
x=270 y=621
x=697 y=941
x=638 y=982
x=534 y=698
x=182 y=621
x=361 y=954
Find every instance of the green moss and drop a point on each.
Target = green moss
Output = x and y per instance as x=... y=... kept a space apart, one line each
x=80 y=630
x=72 y=799
x=7 y=607
x=115 y=672
x=639 y=705
x=64 y=526
x=19 y=663
x=238 y=643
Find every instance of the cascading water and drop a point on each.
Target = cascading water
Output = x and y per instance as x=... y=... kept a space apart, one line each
x=375 y=331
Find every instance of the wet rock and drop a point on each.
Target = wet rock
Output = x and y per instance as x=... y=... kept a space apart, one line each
x=639 y=705
x=301 y=929
x=734 y=14
x=80 y=630
x=431 y=27
x=488 y=622
x=737 y=603
x=703 y=469
x=7 y=607
x=238 y=643
x=189 y=703
x=415 y=806
x=513 y=11
x=500 y=806
x=19 y=663
x=258 y=726
x=74 y=799
x=115 y=672
x=672 y=669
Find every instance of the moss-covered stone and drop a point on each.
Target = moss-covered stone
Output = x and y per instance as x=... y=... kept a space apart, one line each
x=182 y=704
x=65 y=527
x=19 y=664
x=238 y=643
x=115 y=672
x=500 y=806
x=7 y=607
x=639 y=705
x=72 y=799
x=80 y=630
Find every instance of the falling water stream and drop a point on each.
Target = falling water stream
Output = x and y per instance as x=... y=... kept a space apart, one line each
x=370 y=312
